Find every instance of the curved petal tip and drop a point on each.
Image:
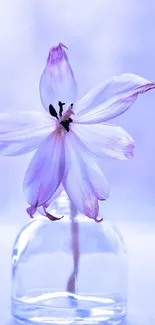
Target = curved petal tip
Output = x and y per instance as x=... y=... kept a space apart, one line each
x=42 y=210
x=31 y=211
x=129 y=150
x=52 y=218
x=63 y=45
x=98 y=220
x=57 y=53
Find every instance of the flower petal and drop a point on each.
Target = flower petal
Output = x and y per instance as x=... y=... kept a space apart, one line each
x=110 y=99
x=102 y=139
x=57 y=82
x=83 y=180
x=45 y=171
x=22 y=132
x=42 y=209
x=55 y=195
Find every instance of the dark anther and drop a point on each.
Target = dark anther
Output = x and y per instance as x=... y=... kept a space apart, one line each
x=53 y=111
x=65 y=124
x=71 y=105
x=60 y=108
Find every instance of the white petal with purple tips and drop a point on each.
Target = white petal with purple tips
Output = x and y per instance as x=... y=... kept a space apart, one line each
x=76 y=182
x=22 y=132
x=45 y=171
x=107 y=139
x=57 y=82
x=83 y=180
x=92 y=169
x=110 y=99
x=43 y=208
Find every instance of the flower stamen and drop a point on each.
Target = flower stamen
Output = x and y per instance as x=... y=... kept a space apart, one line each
x=60 y=108
x=64 y=119
x=66 y=123
x=53 y=111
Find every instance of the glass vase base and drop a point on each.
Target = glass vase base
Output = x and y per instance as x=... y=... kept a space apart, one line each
x=66 y=308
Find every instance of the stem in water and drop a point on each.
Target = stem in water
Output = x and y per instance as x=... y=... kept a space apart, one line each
x=71 y=285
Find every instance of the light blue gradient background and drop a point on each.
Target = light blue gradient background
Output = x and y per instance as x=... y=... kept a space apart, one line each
x=105 y=38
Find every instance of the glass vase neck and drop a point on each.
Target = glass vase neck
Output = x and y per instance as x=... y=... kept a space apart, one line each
x=62 y=206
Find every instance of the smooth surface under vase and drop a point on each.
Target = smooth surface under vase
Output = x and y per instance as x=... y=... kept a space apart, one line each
x=69 y=271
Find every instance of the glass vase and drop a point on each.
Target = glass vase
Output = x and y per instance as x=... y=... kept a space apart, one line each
x=69 y=271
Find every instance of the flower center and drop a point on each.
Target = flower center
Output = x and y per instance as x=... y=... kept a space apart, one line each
x=64 y=119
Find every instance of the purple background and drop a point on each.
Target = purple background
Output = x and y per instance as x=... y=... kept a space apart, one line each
x=105 y=38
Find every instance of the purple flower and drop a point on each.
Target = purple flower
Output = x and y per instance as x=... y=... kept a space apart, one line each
x=71 y=136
